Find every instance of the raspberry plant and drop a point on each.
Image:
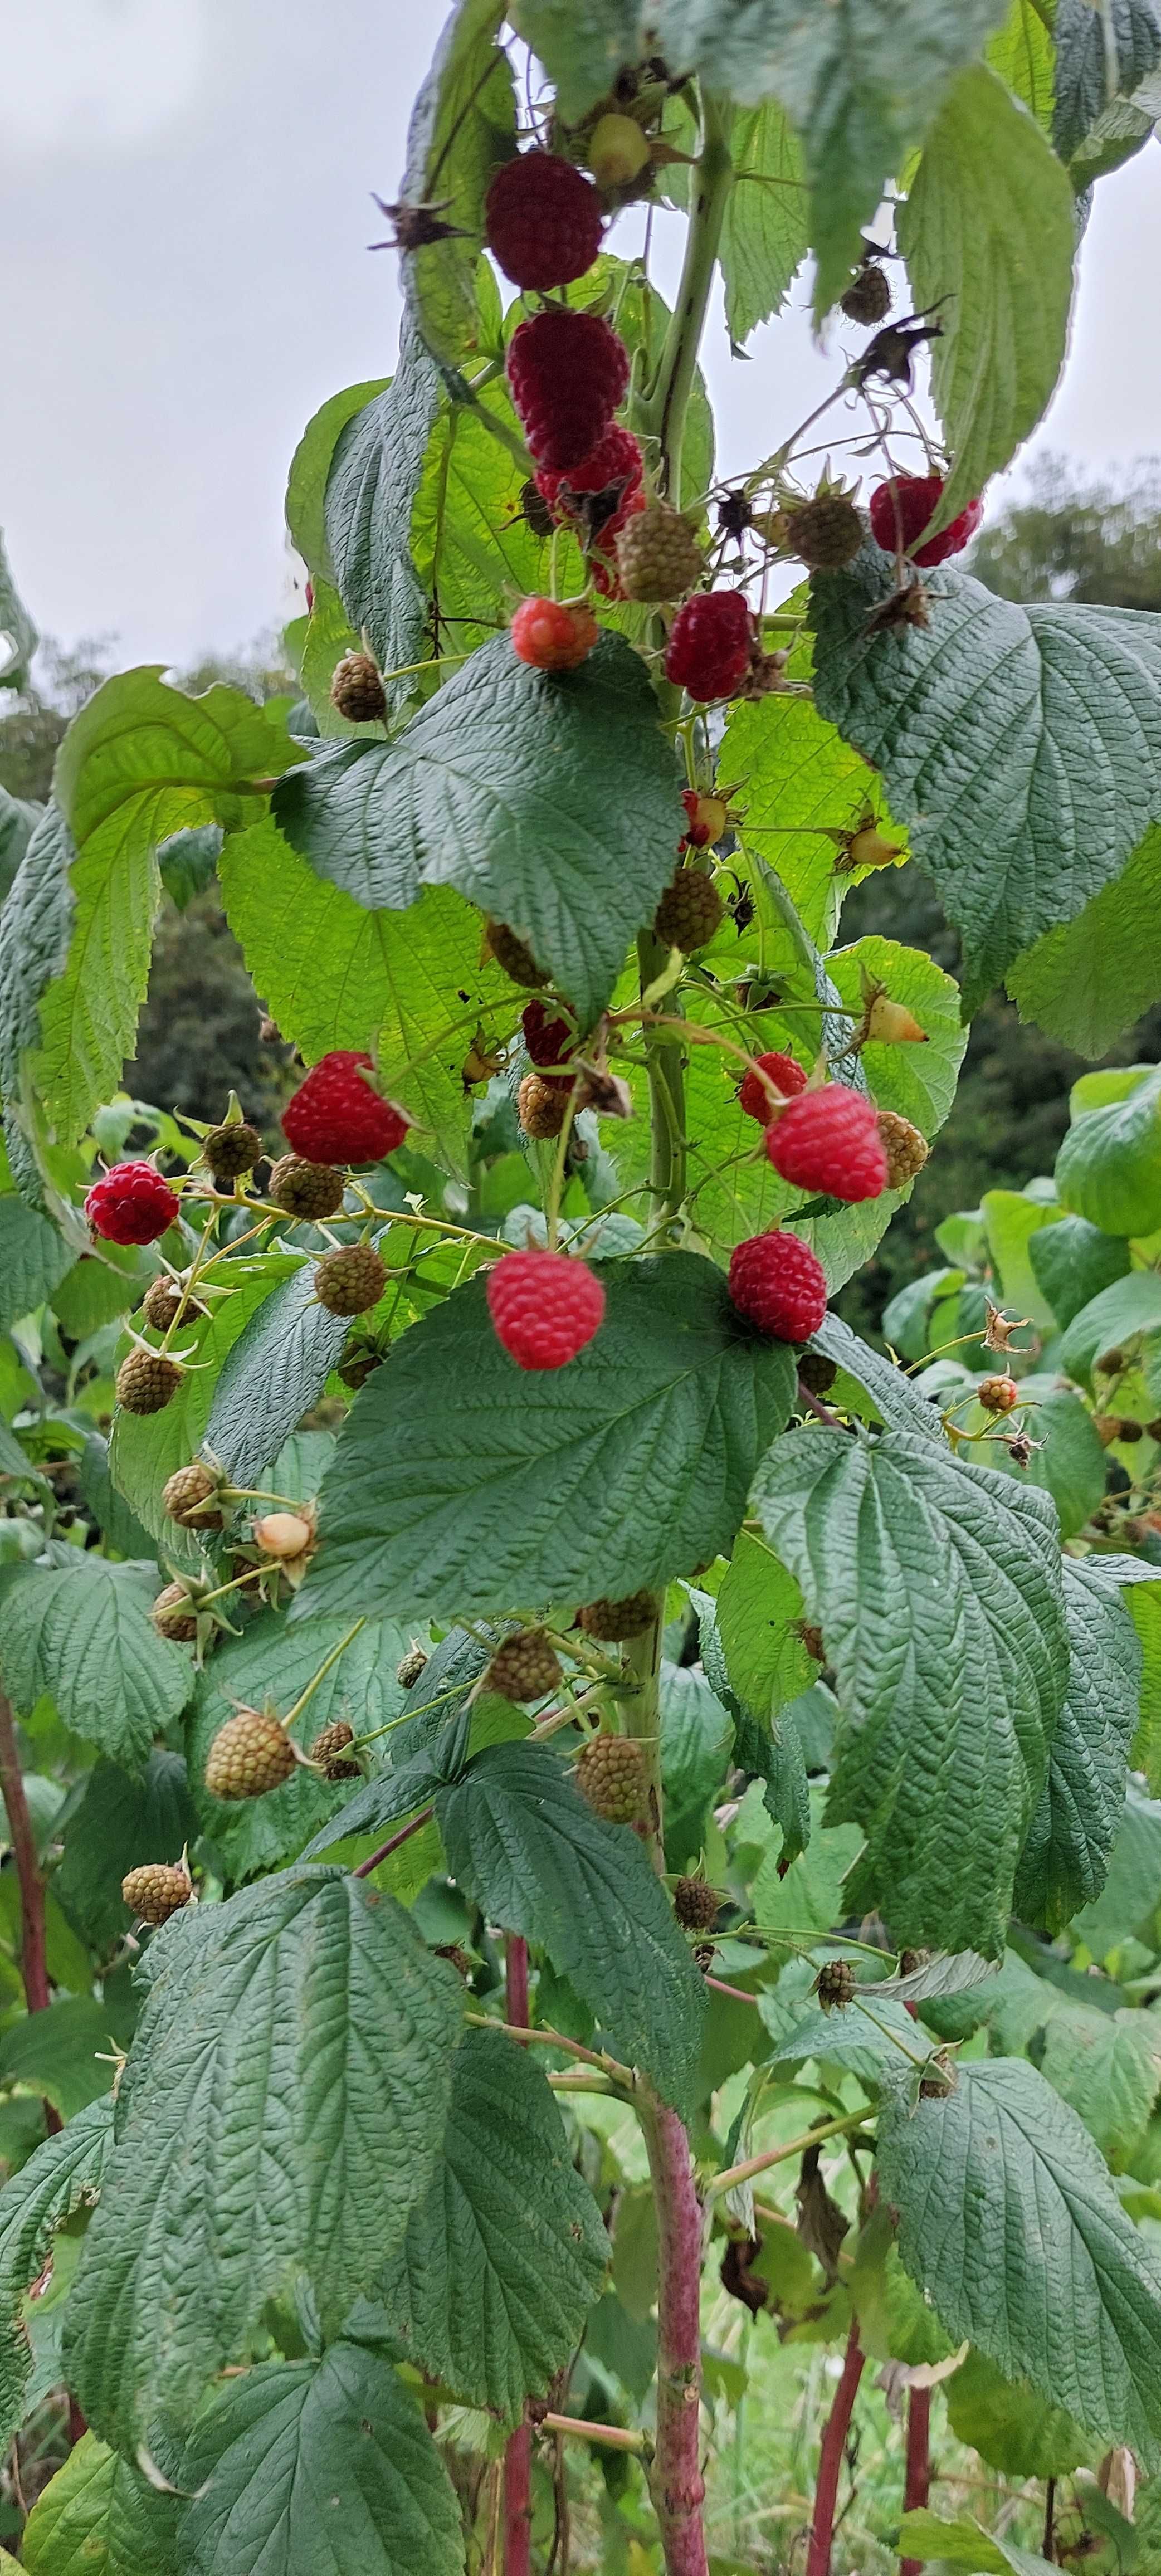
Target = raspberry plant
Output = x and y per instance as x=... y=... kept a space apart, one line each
x=529 y=1735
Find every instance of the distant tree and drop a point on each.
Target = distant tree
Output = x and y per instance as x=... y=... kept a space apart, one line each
x=1095 y=542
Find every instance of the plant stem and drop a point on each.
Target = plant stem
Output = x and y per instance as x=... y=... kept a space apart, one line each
x=780 y=2155
x=677 y=2483
x=642 y=1714
x=917 y=2481
x=661 y=413
x=33 y=1961
x=385 y=1849
x=615 y=2437
x=830 y=2458
x=518 y=2449
x=666 y=1092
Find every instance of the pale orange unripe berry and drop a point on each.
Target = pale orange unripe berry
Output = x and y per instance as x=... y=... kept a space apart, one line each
x=283 y=1534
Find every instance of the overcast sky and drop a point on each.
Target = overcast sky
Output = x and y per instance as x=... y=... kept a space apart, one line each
x=184 y=213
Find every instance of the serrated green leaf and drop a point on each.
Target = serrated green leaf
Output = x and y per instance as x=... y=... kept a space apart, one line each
x=1087 y=982
x=119 y=1823
x=373 y=478
x=100 y=2517
x=1109 y=1165
x=989 y=223
x=145 y=1449
x=875 y=2038
x=1108 y=2066
x=33 y=1259
x=81 y=1633
x=1002 y=734
x=98 y=1288
x=1133 y=1887
x=58 y=2052
x=810 y=1896
x=937 y=1585
x=1065 y=1860
x=310 y=468
x=1072 y=1262
x=893 y=1399
x=1011 y=2427
x=35 y=930
x=319 y=2469
x=462 y=1484
x=966 y=2544
x=802 y=782
x=1011 y=1221
x=281 y=2113
x=1102 y=55
x=766 y=232
x=61 y=2176
x=19 y=816
x=1023 y=55
x=1115 y=1315
x=499 y=787
x=696 y=1736
x=503 y=2259
x=18 y=635
x=462 y=124
x=916 y=1082
x=271 y=1375
x=521 y=1839
x=758 y=1611
x=1074 y=2303
x=895 y=2324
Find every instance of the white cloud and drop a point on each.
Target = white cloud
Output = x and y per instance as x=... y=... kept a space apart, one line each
x=95 y=74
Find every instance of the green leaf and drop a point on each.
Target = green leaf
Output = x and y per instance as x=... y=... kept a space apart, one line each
x=811 y=1895
x=319 y=2469
x=1133 y=1886
x=1087 y=982
x=874 y=2039
x=894 y=2322
x=35 y=930
x=521 y=1839
x=758 y=1610
x=60 y=2177
x=696 y=1735
x=937 y=1585
x=145 y=1449
x=1011 y=2427
x=803 y=782
x=473 y=549
x=33 y=1259
x=1130 y=31
x=119 y=1526
x=98 y=1288
x=966 y=2544
x=893 y=1399
x=1109 y=1165
x=1011 y=1223
x=917 y=1082
x=81 y=1632
x=1002 y=733
x=140 y=761
x=281 y=2113
x=1010 y=2224
x=310 y=468
x=120 y=1822
x=18 y=635
x=1065 y=1860
x=766 y=232
x=57 y=2051
x=462 y=124
x=1132 y=1305
x=272 y=1375
x=990 y=223
x=503 y=2259
x=462 y=1484
x=499 y=786
x=1072 y=1262
x=19 y=816
x=99 y=2516
x=1108 y=2066
x=1023 y=55
x=374 y=475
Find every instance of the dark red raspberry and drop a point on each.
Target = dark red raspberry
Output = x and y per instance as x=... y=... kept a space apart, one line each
x=551 y=636
x=131 y=1204
x=543 y=220
x=550 y=1039
x=829 y=1140
x=603 y=559
x=919 y=497
x=544 y=1307
x=779 y=1284
x=616 y=458
x=710 y=643
x=336 y=1117
x=568 y=372
x=786 y=1076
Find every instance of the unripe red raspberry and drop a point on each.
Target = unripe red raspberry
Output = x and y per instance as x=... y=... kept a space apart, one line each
x=779 y=1284
x=828 y=1141
x=918 y=497
x=305 y=1189
x=614 y=466
x=998 y=1394
x=544 y=1306
x=568 y=372
x=543 y=221
x=612 y=1623
x=551 y=636
x=163 y=1302
x=190 y=1496
x=689 y=912
x=550 y=1038
x=524 y=1667
x=786 y=1076
x=696 y=1905
x=330 y=1750
x=173 y=1614
x=513 y=957
x=835 y=1984
x=610 y=1773
x=250 y=1755
x=868 y=297
x=906 y=1150
x=705 y=818
x=825 y=533
x=132 y=1203
x=710 y=644
x=357 y=692
x=540 y=1107
x=350 y=1280
x=147 y=1381
x=231 y=1150
x=338 y=1117
x=658 y=556
x=156 y=1890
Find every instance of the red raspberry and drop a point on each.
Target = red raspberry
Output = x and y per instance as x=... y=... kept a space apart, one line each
x=568 y=372
x=131 y=1204
x=336 y=1117
x=829 y=1141
x=544 y=1306
x=779 y=1284
x=552 y=637
x=543 y=220
x=550 y=1039
x=616 y=458
x=785 y=1074
x=710 y=643
x=919 y=497
x=606 y=574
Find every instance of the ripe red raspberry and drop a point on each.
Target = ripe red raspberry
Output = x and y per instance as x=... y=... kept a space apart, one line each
x=542 y=220
x=551 y=636
x=829 y=1140
x=544 y=1306
x=919 y=496
x=616 y=458
x=550 y=1038
x=568 y=372
x=603 y=558
x=779 y=1284
x=336 y=1117
x=785 y=1074
x=710 y=643
x=131 y=1204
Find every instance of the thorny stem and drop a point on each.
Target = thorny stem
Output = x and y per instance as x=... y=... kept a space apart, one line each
x=678 y=2486
x=33 y=1960
x=322 y=1672
x=518 y=2449
x=830 y=2457
x=666 y=1091
x=917 y=2481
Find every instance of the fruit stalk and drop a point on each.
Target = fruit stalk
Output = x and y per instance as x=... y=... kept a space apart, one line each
x=518 y=2451
x=33 y=1959
x=678 y=2486
x=642 y=1717
x=663 y=1049
x=830 y=2458
x=917 y=2482
x=661 y=413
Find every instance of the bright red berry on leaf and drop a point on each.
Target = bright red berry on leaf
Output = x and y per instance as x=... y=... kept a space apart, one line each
x=552 y=636
x=131 y=1204
x=568 y=372
x=544 y=1307
x=336 y=1116
x=919 y=497
x=779 y=1284
x=786 y=1076
x=710 y=644
x=829 y=1141
x=543 y=220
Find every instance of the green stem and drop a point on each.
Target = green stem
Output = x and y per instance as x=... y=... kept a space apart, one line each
x=642 y=1720
x=661 y=410
x=663 y=1048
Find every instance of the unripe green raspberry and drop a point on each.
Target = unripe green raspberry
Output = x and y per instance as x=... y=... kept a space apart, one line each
x=658 y=556
x=825 y=533
x=307 y=1190
x=190 y=1496
x=173 y=1614
x=348 y=1281
x=330 y=1750
x=610 y=1773
x=614 y=1621
x=411 y=1665
x=232 y=1149
x=357 y=690
x=250 y=1755
x=514 y=957
x=689 y=911
x=524 y=1667
x=147 y=1381
x=156 y=1890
